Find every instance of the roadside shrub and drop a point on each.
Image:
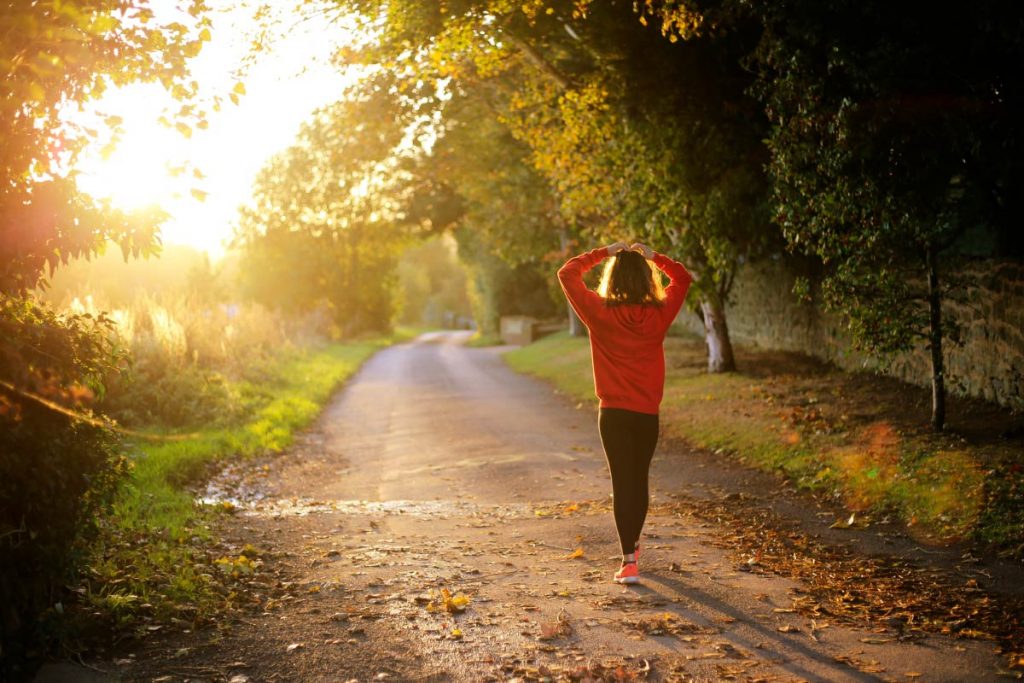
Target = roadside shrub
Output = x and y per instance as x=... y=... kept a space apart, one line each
x=187 y=354
x=57 y=472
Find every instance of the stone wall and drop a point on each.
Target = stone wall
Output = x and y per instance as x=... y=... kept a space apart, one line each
x=989 y=363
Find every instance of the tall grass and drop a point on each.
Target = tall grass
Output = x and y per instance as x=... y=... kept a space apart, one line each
x=195 y=362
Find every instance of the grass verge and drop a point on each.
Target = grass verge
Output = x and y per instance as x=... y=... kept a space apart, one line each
x=157 y=559
x=861 y=438
x=479 y=340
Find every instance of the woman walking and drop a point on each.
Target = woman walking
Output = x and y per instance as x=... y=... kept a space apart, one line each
x=627 y=317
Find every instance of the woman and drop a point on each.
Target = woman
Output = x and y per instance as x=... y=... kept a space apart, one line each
x=627 y=317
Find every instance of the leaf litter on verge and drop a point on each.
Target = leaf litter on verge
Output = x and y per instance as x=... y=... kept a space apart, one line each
x=848 y=586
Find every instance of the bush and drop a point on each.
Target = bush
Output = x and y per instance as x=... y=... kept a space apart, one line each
x=57 y=472
x=188 y=355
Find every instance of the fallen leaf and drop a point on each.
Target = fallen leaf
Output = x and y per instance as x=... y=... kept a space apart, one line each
x=447 y=602
x=560 y=628
x=840 y=524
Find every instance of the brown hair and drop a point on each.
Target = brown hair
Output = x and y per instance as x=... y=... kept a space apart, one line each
x=629 y=278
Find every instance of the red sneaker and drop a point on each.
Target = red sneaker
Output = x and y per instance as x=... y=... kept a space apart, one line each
x=628 y=573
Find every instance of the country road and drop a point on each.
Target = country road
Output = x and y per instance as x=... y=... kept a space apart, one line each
x=438 y=468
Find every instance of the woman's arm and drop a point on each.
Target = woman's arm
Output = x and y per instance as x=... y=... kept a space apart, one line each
x=679 y=284
x=570 y=276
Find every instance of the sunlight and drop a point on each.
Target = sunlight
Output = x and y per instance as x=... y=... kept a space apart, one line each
x=137 y=173
x=201 y=179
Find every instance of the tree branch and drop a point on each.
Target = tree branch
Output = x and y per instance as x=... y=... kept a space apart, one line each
x=535 y=58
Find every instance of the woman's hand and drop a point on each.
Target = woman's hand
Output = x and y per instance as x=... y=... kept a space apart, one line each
x=647 y=252
x=615 y=248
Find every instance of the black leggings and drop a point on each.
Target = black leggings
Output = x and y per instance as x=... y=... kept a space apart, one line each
x=629 y=439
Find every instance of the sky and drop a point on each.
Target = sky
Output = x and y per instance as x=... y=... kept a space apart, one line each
x=283 y=86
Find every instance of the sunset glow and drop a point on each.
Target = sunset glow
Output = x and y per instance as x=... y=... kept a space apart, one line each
x=202 y=179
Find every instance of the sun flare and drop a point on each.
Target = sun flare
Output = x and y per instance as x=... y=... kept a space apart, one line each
x=137 y=173
x=202 y=178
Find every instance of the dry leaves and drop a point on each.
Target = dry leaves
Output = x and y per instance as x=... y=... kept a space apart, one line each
x=668 y=624
x=840 y=583
x=559 y=628
x=592 y=672
x=445 y=601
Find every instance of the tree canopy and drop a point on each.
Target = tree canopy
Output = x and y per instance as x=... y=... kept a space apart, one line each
x=55 y=58
x=895 y=142
x=880 y=140
x=330 y=212
x=633 y=134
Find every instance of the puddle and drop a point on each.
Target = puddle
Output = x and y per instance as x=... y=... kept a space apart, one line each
x=301 y=507
x=410 y=508
x=242 y=487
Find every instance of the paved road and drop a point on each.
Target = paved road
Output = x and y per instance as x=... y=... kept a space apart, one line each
x=439 y=468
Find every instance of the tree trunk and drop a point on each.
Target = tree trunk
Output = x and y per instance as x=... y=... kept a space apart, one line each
x=716 y=335
x=935 y=343
x=576 y=326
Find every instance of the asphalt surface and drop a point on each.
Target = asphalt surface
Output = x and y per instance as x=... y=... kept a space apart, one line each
x=437 y=468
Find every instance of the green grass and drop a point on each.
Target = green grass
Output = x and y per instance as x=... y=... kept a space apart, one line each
x=560 y=359
x=797 y=422
x=155 y=554
x=481 y=340
x=297 y=388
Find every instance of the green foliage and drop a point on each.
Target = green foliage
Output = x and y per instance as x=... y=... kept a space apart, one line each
x=885 y=152
x=508 y=206
x=51 y=354
x=497 y=288
x=56 y=477
x=56 y=472
x=329 y=216
x=188 y=356
x=54 y=57
x=433 y=284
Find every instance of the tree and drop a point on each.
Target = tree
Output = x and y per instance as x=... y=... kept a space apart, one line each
x=632 y=132
x=56 y=57
x=511 y=232
x=660 y=140
x=59 y=470
x=433 y=284
x=330 y=213
x=895 y=130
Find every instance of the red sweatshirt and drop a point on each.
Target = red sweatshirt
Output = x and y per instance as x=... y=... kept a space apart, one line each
x=626 y=340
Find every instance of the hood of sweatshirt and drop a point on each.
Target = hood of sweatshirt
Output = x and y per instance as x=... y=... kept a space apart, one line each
x=637 y=318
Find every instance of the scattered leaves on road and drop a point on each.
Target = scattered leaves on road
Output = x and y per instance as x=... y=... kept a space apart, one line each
x=445 y=601
x=561 y=627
